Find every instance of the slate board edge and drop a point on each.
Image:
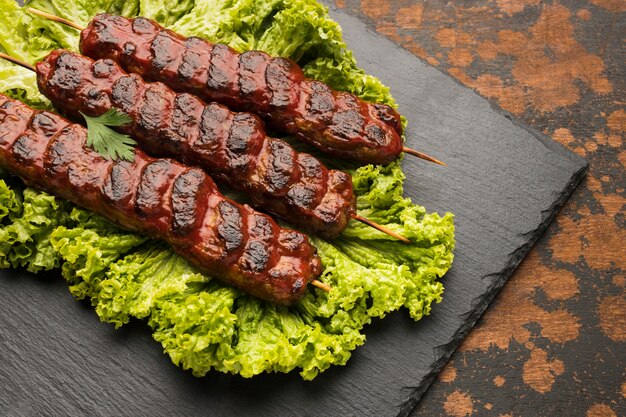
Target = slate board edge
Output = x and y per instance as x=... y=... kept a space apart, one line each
x=444 y=352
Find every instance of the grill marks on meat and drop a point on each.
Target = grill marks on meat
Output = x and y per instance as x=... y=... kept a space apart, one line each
x=161 y=198
x=188 y=198
x=233 y=147
x=274 y=88
x=120 y=183
x=222 y=63
x=231 y=227
x=280 y=76
x=154 y=189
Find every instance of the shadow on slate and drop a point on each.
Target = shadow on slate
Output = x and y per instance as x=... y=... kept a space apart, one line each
x=504 y=182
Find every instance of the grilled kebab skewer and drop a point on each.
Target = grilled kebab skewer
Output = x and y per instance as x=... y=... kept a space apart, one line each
x=230 y=146
x=274 y=88
x=163 y=199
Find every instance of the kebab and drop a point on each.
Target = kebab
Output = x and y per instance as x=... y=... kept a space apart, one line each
x=231 y=146
x=274 y=88
x=163 y=199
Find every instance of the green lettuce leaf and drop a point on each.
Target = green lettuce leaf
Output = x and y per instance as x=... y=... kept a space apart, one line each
x=203 y=324
x=28 y=219
x=21 y=84
x=89 y=244
x=134 y=285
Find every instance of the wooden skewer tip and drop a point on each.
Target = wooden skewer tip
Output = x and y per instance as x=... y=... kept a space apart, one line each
x=17 y=62
x=381 y=228
x=321 y=285
x=422 y=155
x=54 y=18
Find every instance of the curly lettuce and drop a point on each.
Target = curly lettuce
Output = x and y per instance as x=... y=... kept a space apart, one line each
x=201 y=323
x=27 y=220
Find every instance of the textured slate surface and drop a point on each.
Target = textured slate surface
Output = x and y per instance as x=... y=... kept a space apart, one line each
x=503 y=182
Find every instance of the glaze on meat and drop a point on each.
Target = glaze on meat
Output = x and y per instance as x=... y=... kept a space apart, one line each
x=232 y=147
x=271 y=87
x=161 y=198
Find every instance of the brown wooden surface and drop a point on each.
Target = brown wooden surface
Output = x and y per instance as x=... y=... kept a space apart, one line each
x=554 y=340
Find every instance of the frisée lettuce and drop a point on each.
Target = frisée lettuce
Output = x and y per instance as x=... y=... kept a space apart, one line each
x=202 y=323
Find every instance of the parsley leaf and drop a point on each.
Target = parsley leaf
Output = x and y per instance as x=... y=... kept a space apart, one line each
x=106 y=141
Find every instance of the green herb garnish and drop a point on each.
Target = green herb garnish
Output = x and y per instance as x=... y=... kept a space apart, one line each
x=106 y=141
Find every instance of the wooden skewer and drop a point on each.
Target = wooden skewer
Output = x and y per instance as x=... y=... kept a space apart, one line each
x=422 y=155
x=58 y=19
x=321 y=285
x=55 y=18
x=17 y=62
x=380 y=228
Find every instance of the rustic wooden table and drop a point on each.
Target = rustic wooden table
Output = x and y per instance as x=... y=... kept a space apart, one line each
x=553 y=342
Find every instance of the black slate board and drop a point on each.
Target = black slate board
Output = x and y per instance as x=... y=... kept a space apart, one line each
x=504 y=182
